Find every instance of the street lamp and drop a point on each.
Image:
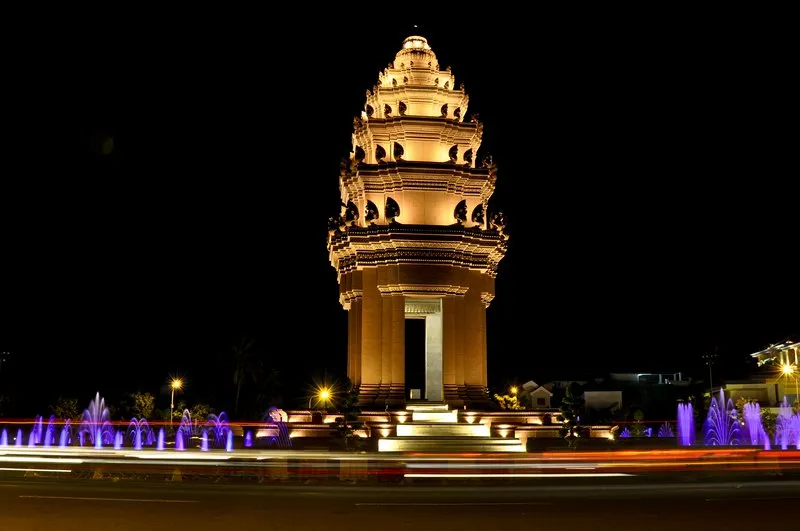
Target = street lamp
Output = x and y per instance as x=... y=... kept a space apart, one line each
x=177 y=383
x=514 y=389
x=791 y=370
x=323 y=395
x=710 y=357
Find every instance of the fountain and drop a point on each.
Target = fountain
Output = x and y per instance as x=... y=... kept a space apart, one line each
x=4 y=437
x=50 y=433
x=625 y=433
x=95 y=422
x=278 y=418
x=65 y=438
x=685 y=424
x=185 y=431
x=137 y=429
x=721 y=427
x=248 y=439
x=204 y=441
x=118 y=440
x=219 y=429
x=665 y=431
x=37 y=430
x=787 y=427
x=32 y=438
x=160 y=445
x=18 y=441
x=229 y=442
x=751 y=414
x=80 y=439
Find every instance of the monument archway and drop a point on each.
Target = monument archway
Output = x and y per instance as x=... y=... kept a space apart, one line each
x=429 y=311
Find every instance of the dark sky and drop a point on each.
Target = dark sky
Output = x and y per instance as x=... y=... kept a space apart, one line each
x=648 y=172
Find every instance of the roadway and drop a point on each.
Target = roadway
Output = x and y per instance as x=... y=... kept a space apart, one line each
x=579 y=503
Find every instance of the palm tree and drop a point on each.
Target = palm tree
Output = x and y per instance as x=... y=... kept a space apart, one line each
x=247 y=366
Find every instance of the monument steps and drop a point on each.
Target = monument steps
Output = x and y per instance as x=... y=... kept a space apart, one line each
x=435 y=428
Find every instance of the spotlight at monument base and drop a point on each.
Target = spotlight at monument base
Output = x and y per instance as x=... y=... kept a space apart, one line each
x=787 y=369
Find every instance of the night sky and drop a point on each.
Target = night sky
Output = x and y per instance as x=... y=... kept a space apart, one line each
x=647 y=171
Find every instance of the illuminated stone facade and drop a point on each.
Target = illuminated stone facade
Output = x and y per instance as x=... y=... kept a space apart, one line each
x=414 y=240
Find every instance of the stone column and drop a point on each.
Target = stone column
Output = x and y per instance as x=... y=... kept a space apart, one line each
x=433 y=357
x=371 y=327
x=397 y=390
x=449 y=331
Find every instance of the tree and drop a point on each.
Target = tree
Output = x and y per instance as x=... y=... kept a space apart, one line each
x=348 y=405
x=246 y=365
x=66 y=408
x=571 y=410
x=509 y=402
x=143 y=404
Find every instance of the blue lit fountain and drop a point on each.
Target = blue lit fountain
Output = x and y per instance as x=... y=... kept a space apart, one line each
x=4 y=437
x=65 y=438
x=787 y=427
x=685 y=424
x=218 y=424
x=281 y=439
x=96 y=424
x=754 y=427
x=721 y=427
x=139 y=432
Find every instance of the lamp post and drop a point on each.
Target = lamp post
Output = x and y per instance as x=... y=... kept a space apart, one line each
x=514 y=390
x=791 y=370
x=709 y=357
x=175 y=384
x=323 y=395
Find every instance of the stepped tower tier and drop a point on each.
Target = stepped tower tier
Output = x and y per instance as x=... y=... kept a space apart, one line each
x=414 y=239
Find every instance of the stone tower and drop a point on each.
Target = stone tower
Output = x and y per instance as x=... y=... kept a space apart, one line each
x=414 y=240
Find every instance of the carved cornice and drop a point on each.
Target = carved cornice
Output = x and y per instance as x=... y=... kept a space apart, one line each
x=394 y=177
x=456 y=245
x=422 y=289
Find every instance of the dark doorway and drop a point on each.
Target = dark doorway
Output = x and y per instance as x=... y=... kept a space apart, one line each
x=415 y=356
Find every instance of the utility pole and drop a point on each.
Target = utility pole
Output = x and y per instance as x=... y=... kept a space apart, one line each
x=709 y=358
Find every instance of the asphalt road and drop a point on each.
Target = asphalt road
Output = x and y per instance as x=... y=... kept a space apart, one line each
x=585 y=504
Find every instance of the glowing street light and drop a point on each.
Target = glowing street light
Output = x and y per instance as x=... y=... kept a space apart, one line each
x=323 y=395
x=788 y=369
x=176 y=383
x=514 y=389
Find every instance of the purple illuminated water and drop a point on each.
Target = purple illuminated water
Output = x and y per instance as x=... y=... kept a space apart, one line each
x=229 y=442
x=96 y=424
x=32 y=438
x=754 y=428
x=218 y=424
x=160 y=445
x=787 y=427
x=204 y=441
x=721 y=427
x=665 y=431
x=685 y=424
x=248 y=439
x=185 y=430
x=18 y=441
x=139 y=431
x=4 y=437
x=118 y=440
x=65 y=438
x=50 y=433
x=37 y=430
x=80 y=438
x=625 y=433
x=278 y=418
